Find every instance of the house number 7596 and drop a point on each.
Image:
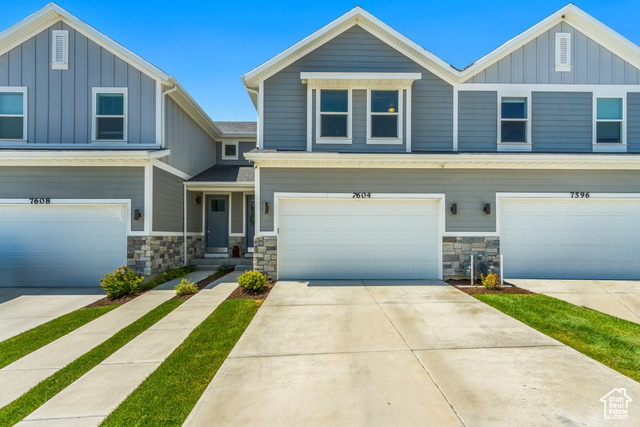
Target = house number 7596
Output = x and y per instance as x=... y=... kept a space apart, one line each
x=580 y=195
x=361 y=195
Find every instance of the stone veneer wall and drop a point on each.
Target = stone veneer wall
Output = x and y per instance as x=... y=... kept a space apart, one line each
x=239 y=242
x=154 y=254
x=456 y=252
x=265 y=255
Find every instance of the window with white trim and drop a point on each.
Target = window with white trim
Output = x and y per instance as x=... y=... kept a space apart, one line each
x=109 y=114
x=334 y=113
x=563 y=52
x=13 y=114
x=514 y=120
x=385 y=117
x=230 y=150
x=609 y=121
x=60 y=50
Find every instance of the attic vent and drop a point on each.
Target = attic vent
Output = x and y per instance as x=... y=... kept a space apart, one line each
x=563 y=52
x=60 y=50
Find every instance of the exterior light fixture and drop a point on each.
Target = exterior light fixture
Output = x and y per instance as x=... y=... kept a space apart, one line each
x=137 y=214
x=265 y=208
x=454 y=209
x=199 y=200
x=487 y=208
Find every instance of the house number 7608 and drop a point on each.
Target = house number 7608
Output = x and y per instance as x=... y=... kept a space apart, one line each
x=40 y=201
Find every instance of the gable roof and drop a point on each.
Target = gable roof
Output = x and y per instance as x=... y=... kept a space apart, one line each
x=573 y=15
x=237 y=128
x=52 y=13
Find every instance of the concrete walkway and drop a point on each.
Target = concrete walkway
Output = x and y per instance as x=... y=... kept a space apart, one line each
x=616 y=298
x=400 y=353
x=18 y=377
x=22 y=309
x=90 y=399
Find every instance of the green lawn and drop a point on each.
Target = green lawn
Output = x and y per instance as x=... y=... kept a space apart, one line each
x=19 y=346
x=38 y=395
x=609 y=340
x=166 y=276
x=168 y=395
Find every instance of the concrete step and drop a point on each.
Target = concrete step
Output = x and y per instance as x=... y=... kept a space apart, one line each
x=219 y=261
x=214 y=267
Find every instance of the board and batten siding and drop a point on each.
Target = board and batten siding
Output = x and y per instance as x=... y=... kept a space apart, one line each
x=477 y=121
x=192 y=149
x=535 y=63
x=355 y=50
x=469 y=188
x=58 y=182
x=168 y=199
x=562 y=121
x=60 y=101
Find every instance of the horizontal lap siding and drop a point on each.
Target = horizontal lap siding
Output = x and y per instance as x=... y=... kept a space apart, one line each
x=356 y=50
x=562 y=121
x=194 y=212
x=477 y=121
x=237 y=212
x=168 y=199
x=60 y=101
x=633 y=120
x=470 y=189
x=76 y=183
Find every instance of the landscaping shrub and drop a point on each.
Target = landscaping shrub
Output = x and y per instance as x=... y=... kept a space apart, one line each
x=122 y=281
x=252 y=280
x=186 y=287
x=168 y=275
x=491 y=281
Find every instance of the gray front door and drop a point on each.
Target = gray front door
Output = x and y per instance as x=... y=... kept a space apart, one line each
x=251 y=219
x=218 y=224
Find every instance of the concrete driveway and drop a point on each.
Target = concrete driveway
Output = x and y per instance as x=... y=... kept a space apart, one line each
x=24 y=308
x=399 y=353
x=617 y=298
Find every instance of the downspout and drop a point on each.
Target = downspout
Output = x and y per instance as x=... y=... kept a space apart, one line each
x=184 y=225
x=164 y=118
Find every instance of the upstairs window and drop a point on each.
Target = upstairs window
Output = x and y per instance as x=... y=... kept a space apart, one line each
x=384 y=116
x=110 y=114
x=60 y=50
x=513 y=120
x=609 y=117
x=230 y=150
x=334 y=106
x=13 y=124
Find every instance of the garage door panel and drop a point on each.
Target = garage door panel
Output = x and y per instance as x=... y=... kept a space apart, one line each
x=347 y=238
x=571 y=238
x=60 y=245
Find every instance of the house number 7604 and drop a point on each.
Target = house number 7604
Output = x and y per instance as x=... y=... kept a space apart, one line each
x=361 y=196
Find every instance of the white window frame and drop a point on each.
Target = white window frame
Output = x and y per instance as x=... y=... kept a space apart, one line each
x=23 y=90
x=400 y=114
x=60 y=65
x=333 y=139
x=604 y=147
x=94 y=128
x=559 y=65
x=235 y=144
x=514 y=146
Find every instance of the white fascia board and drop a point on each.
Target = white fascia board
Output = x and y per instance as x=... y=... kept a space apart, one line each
x=193 y=109
x=346 y=79
x=77 y=158
x=448 y=161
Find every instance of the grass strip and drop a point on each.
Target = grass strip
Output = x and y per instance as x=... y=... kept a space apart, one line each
x=169 y=394
x=45 y=390
x=166 y=276
x=609 y=340
x=19 y=346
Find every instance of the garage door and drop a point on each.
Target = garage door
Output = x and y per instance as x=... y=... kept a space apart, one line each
x=60 y=245
x=590 y=238
x=357 y=239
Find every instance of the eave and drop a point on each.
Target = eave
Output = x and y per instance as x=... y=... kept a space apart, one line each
x=79 y=158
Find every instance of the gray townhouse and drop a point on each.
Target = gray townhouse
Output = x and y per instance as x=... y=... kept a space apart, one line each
x=370 y=158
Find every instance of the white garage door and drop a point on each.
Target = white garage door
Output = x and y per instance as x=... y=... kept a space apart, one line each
x=60 y=245
x=358 y=239
x=592 y=238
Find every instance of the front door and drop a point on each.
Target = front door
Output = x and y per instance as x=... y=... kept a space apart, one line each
x=218 y=224
x=251 y=221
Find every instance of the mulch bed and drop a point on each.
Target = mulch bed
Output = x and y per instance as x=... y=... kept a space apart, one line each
x=203 y=284
x=240 y=293
x=465 y=286
x=106 y=301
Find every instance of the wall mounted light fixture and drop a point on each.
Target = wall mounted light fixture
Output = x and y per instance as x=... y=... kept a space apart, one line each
x=265 y=208
x=454 y=209
x=137 y=214
x=199 y=200
x=487 y=208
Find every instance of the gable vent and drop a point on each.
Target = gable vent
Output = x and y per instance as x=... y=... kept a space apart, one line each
x=563 y=52
x=60 y=50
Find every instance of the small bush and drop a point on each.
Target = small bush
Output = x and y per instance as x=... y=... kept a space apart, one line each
x=122 y=281
x=219 y=271
x=186 y=287
x=491 y=281
x=252 y=280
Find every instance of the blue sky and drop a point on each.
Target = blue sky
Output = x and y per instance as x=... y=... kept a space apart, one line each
x=208 y=45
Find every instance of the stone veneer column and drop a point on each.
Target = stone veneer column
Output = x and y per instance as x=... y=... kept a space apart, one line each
x=265 y=255
x=456 y=252
x=154 y=254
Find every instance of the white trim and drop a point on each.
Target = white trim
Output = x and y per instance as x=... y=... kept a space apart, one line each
x=64 y=65
x=235 y=144
x=331 y=80
x=167 y=168
x=79 y=157
x=509 y=89
x=125 y=113
x=439 y=197
x=559 y=65
x=309 y=118
x=148 y=198
x=470 y=234
x=455 y=117
x=604 y=147
x=514 y=146
x=184 y=226
x=160 y=113
x=258 y=203
x=260 y=136
x=408 y=107
x=24 y=115
x=319 y=139
x=400 y=117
